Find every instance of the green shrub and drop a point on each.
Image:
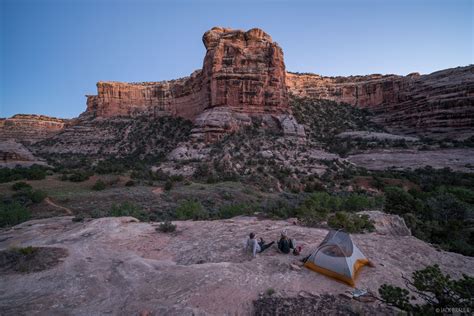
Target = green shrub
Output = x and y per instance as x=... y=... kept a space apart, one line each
x=26 y=251
x=270 y=291
x=357 y=202
x=109 y=166
x=34 y=172
x=37 y=196
x=79 y=176
x=99 y=185
x=437 y=290
x=398 y=201
x=167 y=227
x=128 y=209
x=78 y=218
x=168 y=185
x=463 y=194
x=17 y=186
x=26 y=197
x=318 y=206
x=191 y=210
x=176 y=178
x=445 y=207
x=279 y=208
x=232 y=210
x=352 y=223
x=12 y=214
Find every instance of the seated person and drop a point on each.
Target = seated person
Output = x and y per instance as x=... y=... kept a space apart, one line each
x=256 y=247
x=285 y=244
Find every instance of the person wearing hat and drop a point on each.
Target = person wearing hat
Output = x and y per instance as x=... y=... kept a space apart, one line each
x=285 y=244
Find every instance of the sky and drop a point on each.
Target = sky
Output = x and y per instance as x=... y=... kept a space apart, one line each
x=52 y=52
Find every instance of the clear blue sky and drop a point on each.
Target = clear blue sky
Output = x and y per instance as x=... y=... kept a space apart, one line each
x=54 y=51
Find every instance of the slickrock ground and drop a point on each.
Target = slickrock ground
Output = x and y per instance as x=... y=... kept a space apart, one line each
x=380 y=159
x=122 y=267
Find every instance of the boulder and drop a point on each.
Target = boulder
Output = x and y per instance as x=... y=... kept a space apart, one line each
x=388 y=224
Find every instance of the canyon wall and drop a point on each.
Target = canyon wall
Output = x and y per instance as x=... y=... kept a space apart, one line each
x=243 y=76
x=185 y=97
x=30 y=128
x=242 y=71
x=440 y=104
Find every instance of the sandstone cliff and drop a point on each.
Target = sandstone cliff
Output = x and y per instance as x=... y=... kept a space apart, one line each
x=242 y=71
x=185 y=97
x=30 y=128
x=440 y=104
x=243 y=74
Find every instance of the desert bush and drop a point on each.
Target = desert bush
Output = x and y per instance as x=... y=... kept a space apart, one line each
x=109 y=166
x=128 y=209
x=26 y=251
x=130 y=183
x=168 y=185
x=398 y=201
x=12 y=214
x=314 y=186
x=352 y=223
x=445 y=207
x=167 y=227
x=18 y=186
x=78 y=218
x=79 y=176
x=37 y=196
x=176 y=178
x=438 y=210
x=190 y=209
x=438 y=292
x=270 y=291
x=358 y=202
x=34 y=172
x=99 y=185
x=463 y=194
x=232 y=210
x=25 y=197
x=279 y=208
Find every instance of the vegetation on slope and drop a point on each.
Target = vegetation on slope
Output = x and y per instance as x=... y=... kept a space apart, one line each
x=128 y=142
x=438 y=292
x=440 y=209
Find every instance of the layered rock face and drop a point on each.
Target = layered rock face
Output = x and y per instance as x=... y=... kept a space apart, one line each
x=246 y=71
x=243 y=75
x=243 y=71
x=30 y=128
x=185 y=97
x=435 y=105
x=14 y=154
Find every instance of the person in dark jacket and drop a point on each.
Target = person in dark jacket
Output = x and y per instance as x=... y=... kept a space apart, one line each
x=285 y=244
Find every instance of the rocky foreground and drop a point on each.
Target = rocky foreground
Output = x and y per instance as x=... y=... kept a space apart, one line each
x=121 y=266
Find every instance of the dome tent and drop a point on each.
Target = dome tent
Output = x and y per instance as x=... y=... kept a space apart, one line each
x=337 y=257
